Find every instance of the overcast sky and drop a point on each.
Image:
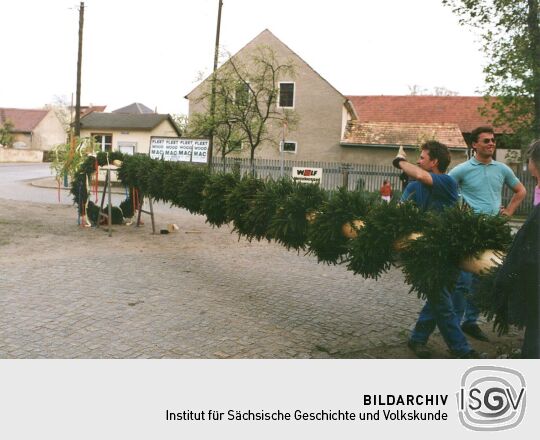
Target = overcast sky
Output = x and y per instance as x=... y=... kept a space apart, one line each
x=152 y=51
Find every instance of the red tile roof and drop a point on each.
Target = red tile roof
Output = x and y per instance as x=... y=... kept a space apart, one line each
x=23 y=120
x=85 y=110
x=400 y=133
x=460 y=110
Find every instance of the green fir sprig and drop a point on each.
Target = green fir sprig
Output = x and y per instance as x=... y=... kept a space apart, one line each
x=263 y=208
x=431 y=262
x=240 y=200
x=289 y=226
x=372 y=252
x=215 y=193
x=325 y=235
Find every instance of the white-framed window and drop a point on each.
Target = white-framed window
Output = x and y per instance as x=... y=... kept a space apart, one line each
x=127 y=147
x=286 y=94
x=104 y=140
x=289 y=146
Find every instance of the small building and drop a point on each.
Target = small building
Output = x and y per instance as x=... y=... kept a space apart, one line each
x=128 y=133
x=34 y=129
x=463 y=112
x=377 y=142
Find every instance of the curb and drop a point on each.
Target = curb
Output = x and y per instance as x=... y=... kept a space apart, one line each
x=50 y=183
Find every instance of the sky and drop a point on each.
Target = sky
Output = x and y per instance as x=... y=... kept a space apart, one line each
x=154 y=52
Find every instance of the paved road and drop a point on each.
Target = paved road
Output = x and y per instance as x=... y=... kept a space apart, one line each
x=67 y=292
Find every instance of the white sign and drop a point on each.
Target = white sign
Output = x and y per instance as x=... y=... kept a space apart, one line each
x=307 y=175
x=179 y=149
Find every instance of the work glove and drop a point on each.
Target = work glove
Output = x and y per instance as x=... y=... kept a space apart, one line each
x=401 y=155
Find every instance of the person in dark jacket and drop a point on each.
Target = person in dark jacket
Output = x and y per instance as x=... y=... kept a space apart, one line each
x=516 y=290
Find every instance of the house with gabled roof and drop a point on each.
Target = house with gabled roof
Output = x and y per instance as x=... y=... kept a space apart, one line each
x=34 y=129
x=358 y=129
x=128 y=133
x=322 y=111
x=431 y=117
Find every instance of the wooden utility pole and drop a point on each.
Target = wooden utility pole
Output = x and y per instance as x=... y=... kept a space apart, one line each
x=79 y=64
x=213 y=95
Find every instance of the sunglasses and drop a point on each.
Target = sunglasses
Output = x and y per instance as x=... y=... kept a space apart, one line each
x=487 y=141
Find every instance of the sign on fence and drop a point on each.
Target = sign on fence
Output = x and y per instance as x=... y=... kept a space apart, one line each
x=179 y=149
x=307 y=175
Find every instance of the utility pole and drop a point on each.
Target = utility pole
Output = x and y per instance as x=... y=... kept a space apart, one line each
x=79 y=64
x=213 y=95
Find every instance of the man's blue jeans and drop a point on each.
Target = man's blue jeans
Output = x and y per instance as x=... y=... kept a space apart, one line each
x=464 y=298
x=442 y=314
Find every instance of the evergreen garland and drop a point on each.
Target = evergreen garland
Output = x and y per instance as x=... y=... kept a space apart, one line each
x=240 y=200
x=277 y=210
x=263 y=209
x=134 y=171
x=289 y=226
x=117 y=215
x=372 y=252
x=215 y=193
x=325 y=236
x=431 y=262
x=190 y=191
x=127 y=207
x=79 y=189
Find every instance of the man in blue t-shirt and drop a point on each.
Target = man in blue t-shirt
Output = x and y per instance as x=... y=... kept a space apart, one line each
x=433 y=190
x=481 y=180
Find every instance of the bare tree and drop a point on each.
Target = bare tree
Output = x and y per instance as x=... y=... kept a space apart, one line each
x=246 y=101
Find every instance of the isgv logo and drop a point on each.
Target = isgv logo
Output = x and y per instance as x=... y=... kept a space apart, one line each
x=491 y=398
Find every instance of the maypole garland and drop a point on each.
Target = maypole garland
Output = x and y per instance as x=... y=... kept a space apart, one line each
x=385 y=233
x=289 y=226
x=449 y=238
x=325 y=233
x=263 y=208
x=303 y=216
x=215 y=195
x=81 y=189
x=240 y=200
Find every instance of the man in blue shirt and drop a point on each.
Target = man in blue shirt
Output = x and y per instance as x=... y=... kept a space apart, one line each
x=481 y=180
x=433 y=190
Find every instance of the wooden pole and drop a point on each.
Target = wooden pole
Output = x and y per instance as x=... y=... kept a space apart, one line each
x=79 y=65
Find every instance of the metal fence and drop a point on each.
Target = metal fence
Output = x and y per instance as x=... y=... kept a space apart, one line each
x=527 y=205
x=335 y=174
x=369 y=177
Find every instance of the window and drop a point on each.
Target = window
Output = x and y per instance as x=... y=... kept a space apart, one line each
x=286 y=94
x=289 y=146
x=103 y=140
x=127 y=147
x=241 y=93
x=235 y=145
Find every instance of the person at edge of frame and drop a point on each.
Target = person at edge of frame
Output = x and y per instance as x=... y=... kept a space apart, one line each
x=481 y=180
x=432 y=189
x=516 y=286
